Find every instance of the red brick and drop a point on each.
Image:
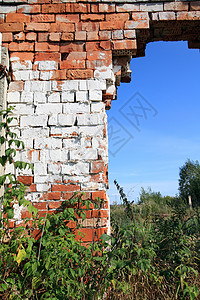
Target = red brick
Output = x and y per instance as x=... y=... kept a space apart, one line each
x=42 y=213
x=38 y=27
x=16 y=17
x=34 y=9
x=119 y=17
x=62 y=27
x=53 y=195
x=43 y=36
x=67 y=36
x=25 y=214
x=98 y=233
x=26 y=180
x=80 y=8
x=46 y=47
x=106 y=45
x=40 y=205
x=11 y=27
x=67 y=196
x=105 y=35
x=92 y=17
x=54 y=36
x=55 y=204
x=7 y=37
x=125 y=44
x=191 y=15
x=86 y=234
x=93 y=36
x=177 y=6
x=94 y=8
x=42 y=18
x=87 y=26
x=31 y=36
x=31 y=188
x=106 y=8
x=65 y=188
x=76 y=55
x=98 y=194
x=141 y=24
x=19 y=36
x=79 y=74
x=97 y=166
x=69 y=18
x=52 y=8
x=25 y=46
x=80 y=35
x=83 y=196
x=100 y=213
x=59 y=75
x=48 y=56
x=36 y=233
x=72 y=64
x=111 y=25
x=136 y=16
x=92 y=46
x=16 y=86
x=23 y=56
x=70 y=47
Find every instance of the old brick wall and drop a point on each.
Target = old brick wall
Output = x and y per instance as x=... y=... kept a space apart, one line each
x=66 y=60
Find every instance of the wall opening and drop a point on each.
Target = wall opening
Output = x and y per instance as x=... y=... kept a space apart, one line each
x=166 y=82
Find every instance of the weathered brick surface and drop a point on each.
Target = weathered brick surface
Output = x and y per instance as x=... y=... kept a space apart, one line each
x=66 y=60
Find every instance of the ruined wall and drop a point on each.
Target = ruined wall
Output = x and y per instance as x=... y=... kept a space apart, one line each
x=66 y=60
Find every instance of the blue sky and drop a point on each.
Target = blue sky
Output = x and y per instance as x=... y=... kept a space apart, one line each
x=148 y=150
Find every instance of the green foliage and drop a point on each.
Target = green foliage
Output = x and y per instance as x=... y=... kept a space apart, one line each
x=189 y=182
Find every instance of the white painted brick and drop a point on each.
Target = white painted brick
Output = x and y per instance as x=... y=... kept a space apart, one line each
x=127 y=7
x=53 y=120
x=92 y=186
x=66 y=119
x=96 y=130
x=13 y=97
x=54 y=97
x=151 y=7
x=70 y=85
x=43 y=187
x=4 y=9
x=41 y=178
x=86 y=154
x=37 y=86
x=76 y=108
x=23 y=109
x=27 y=97
x=54 y=168
x=64 y=155
x=46 y=75
x=82 y=96
x=86 y=142
x=76 y=168
x=98 y=107
x=55 y=155
x=65 y=132
x=67 y=96
x=81 y=178
x=25 y=65
x=95 y=95
x=101 y=73
x=83 y=85
x=47 y=65
x=117 y=34
x=34 y=121
x=50 y=108
x=48 y=143
x=34 y=75
x=40 y=168
x=39 y=97
x=35 y=133
x=71 y=143
x=90 y=119
x=22 y=75
x=28 y=143
x=95 y=84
